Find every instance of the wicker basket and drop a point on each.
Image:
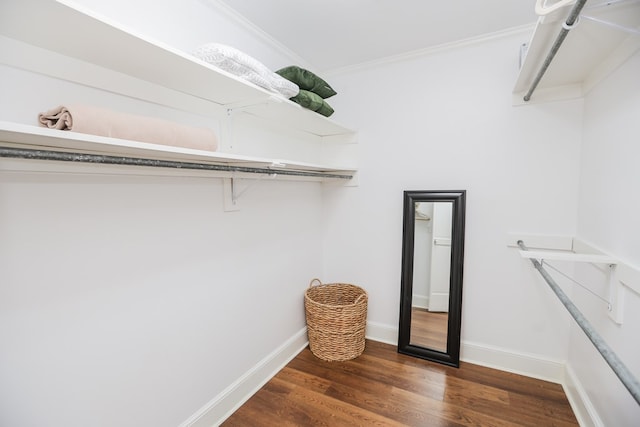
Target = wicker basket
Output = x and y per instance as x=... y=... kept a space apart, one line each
x=336 y=317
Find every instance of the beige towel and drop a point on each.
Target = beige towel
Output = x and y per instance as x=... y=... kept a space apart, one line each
x=98 y=121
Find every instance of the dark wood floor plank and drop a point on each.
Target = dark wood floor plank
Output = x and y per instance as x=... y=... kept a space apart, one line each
x=558 y=410
x=546 y=397
x=478 y=374
x=384 y=388
x=452 y=412
x=361 y=374
x=416 y=378
x=267 y=409
x=304 y=379
x=392 y=406
x=336 y=411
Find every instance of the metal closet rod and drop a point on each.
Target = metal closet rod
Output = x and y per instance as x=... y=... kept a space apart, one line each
x=566 y=27
x=23 y=153
x=619 y=368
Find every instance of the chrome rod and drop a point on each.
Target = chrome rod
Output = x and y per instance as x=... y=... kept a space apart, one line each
x=619 y=368
x=571 y=20
x=23 y=153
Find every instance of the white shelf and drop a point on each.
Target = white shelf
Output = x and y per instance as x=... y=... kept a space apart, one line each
x=68 y=29
x=13 y=135
x=568 y=256
x=589 y=53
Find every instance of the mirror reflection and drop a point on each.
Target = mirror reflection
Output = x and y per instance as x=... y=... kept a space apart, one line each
x=431 y=266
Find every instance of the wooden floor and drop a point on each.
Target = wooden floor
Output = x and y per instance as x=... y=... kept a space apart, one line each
x=384 y=388
x=429 y=329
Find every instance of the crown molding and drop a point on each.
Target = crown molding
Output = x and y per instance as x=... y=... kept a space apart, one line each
x=233 y=15
x=419 y=53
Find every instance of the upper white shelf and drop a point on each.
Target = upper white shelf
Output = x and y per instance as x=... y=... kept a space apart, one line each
x=70 y=30
x=589 y=53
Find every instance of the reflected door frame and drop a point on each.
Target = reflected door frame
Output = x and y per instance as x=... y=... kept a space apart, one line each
x=440 y=280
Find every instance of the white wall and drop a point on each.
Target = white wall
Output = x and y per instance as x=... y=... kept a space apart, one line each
x=608 y=219
x=444 y=121
x=124 y=298
x=135 y=300
x=132 y=300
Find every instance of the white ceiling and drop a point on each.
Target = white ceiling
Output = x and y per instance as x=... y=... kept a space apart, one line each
x=330 y=34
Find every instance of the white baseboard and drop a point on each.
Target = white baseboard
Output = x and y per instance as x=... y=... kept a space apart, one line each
x=421 y=301
x=507 y=360
x=382 y=333
x=583 y=409
x=230 y=399
x=493 y=357
x=439 y=302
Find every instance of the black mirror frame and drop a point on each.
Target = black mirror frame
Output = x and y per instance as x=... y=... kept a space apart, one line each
x=452 y=356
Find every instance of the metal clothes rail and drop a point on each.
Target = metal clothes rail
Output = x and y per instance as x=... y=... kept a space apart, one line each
x=566 y=27
x=619 y=368
x=22 y=153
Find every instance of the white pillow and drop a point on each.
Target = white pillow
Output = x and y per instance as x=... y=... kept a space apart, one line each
x=242 y=65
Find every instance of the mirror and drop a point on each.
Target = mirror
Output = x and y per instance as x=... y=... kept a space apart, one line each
x=431 y=286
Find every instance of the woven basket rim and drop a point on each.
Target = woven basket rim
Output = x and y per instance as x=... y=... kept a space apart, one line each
x=338 y=305
x=359 y=299
x=334 y=284
x=326 y=285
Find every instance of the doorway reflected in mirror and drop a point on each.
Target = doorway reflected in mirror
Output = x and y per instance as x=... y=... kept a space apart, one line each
x=431 y=265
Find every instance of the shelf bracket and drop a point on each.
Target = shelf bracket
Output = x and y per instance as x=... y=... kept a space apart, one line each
x=542 y=9
x=230 y=201
x=232 y=192
x=228 y=138
x=246 y=105
x=616 y=295
x=612 y=25
x=615 y=302
x=239 y=107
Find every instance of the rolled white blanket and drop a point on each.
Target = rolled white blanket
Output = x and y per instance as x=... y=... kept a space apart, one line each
x=102 y=122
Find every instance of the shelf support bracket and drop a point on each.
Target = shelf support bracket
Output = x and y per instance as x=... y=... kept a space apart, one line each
x=612 y=25
x=228 y=138
x=616 y=296
x=232 y=192
x=619 y=368
x=230 y=201
x=615 y=301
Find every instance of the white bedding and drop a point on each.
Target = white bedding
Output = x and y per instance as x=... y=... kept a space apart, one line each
x=242 y=65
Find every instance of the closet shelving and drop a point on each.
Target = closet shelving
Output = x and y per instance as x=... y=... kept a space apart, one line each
x=42 y=140
x=607 y=34
x=68 y=29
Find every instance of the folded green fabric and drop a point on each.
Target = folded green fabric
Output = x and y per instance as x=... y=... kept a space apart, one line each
x=306 y=80
x=313 y=102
